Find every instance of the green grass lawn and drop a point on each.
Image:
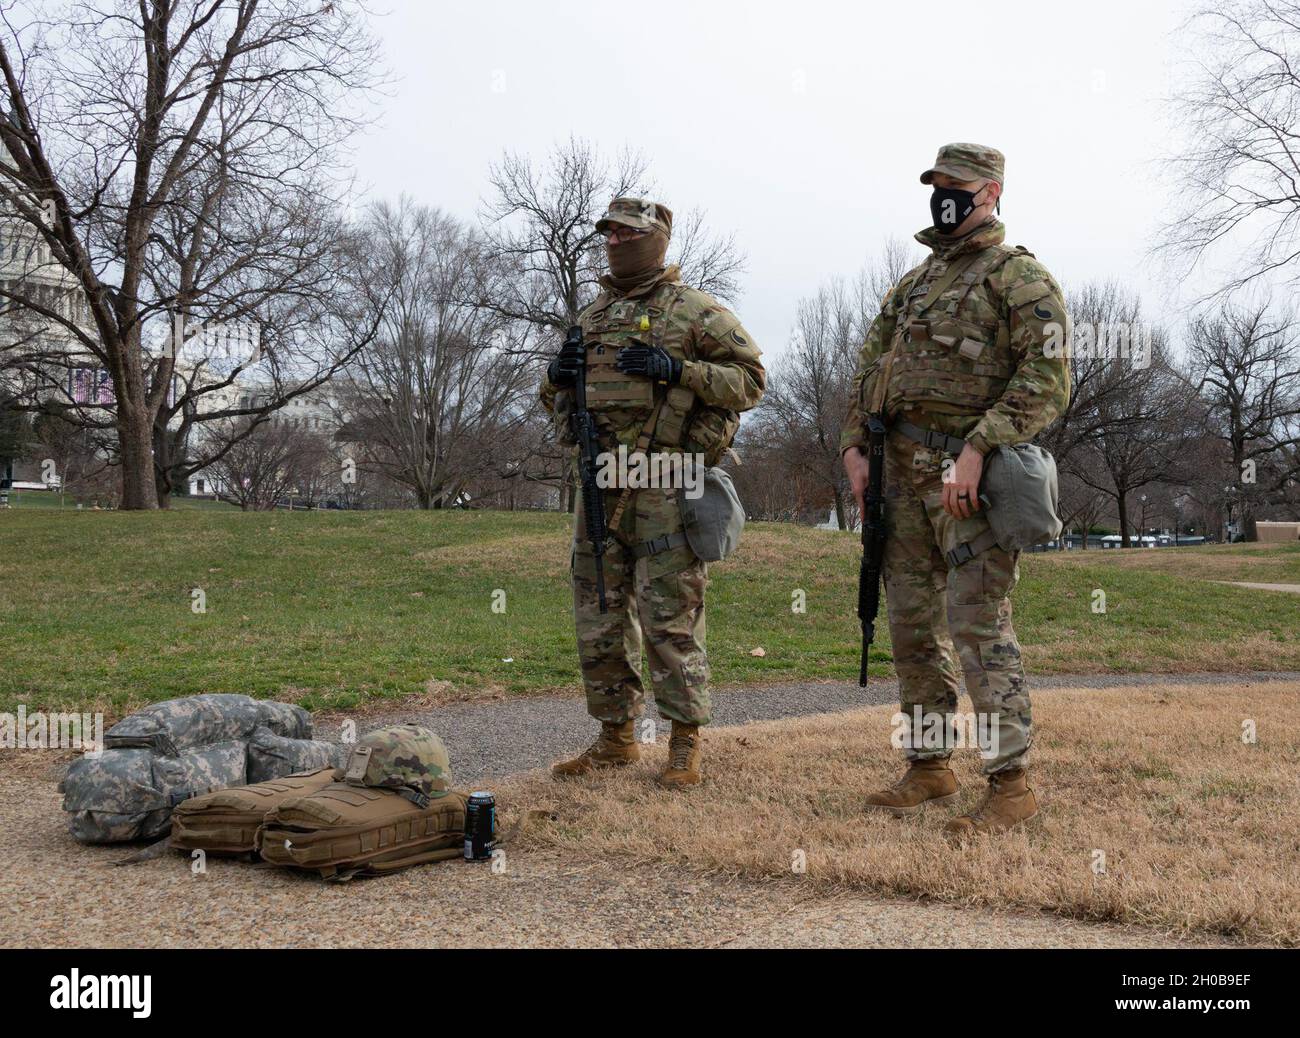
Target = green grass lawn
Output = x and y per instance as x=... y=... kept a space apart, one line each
x=47 y=500
x=332 y=608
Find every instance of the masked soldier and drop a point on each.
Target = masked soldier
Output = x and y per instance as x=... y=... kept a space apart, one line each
x=668 y=369
x=955 y=362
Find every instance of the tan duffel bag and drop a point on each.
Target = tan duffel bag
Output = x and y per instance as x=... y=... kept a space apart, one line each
x=227 y=820
x=345 y=830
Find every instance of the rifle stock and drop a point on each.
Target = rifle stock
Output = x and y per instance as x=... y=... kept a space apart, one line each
x=873 y=540
x=593 y=498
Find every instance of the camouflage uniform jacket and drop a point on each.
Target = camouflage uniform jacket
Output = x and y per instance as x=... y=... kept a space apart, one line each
x=721 y=371
x=970 y=359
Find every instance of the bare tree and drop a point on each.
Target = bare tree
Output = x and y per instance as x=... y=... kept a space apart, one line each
x=541 y=223
x=74 y=454
x=433 y=397
x=1148 y=423
x=1238 y=171
x=136 y=134
x=1109 y=344
x=262 y=467
x=808 y=391
x=1080 y=505
x=1245 y=362
x=711 y=263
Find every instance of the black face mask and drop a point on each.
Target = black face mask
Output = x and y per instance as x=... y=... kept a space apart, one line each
x=949 y=206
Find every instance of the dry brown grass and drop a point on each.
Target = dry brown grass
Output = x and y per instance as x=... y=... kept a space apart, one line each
x=1200 y=832
x=1267 y=563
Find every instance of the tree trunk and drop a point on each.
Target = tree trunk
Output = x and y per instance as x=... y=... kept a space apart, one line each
x=135 y=437
x=568 y=491
x=840 y=517
x=162 y=455
x=1121 y=504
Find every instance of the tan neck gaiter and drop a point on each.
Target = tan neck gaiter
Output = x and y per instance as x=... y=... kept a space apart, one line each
x=634 y=262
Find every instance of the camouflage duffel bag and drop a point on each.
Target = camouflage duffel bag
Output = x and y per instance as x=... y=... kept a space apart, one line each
x=345 y=830
x=226 y=821
x=129 y=794
x=393 y=809
x=168 y=752
x=171 y=727
x=272 y=756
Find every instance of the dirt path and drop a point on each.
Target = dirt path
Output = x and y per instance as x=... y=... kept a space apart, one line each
x=57 y=893
x=1293 y=589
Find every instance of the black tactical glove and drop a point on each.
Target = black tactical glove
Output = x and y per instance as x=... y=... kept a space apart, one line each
x=651 y=361
x=563 y=370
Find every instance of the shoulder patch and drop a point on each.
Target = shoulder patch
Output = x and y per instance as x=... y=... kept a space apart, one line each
x=719 y=323
x=1029 y=292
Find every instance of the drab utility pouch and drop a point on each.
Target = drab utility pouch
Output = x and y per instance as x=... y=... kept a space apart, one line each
x=1019 y=493
x=341 y=831
x=226 y=822
x=606 y=385
x=713 y=521
x=679 y=403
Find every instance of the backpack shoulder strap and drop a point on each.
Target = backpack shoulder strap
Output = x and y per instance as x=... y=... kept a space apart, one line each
x=970 y=273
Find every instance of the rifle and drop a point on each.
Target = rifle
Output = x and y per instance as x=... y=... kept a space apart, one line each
x=873 y=539
x=593 y=498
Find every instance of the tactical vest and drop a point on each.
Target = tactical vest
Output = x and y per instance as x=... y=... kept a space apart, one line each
x=624 y=403
x=950 y=348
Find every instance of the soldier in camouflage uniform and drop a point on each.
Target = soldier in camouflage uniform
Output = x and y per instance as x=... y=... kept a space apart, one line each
x=668 y=370
x=955 y=362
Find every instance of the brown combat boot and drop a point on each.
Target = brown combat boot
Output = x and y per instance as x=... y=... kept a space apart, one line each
x=926 y=782
x=1008 y=802
x=683 y=756
x=615 y=748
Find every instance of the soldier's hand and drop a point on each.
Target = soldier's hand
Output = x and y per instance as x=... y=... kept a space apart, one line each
x=961 y=484
x=563 y=370
x=857 y=468
x=650 y=361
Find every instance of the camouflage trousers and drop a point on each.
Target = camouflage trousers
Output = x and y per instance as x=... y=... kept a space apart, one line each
x=656 y=602
x=940 y=616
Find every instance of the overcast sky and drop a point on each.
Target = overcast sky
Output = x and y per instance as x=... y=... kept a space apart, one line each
x=803 y=127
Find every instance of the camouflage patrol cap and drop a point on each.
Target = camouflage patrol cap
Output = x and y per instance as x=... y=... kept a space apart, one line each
x=405 y=758
x=967 y=162
x=640 y=213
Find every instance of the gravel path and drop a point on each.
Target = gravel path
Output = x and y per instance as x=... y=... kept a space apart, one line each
x=489 y=740
x=1293 y=589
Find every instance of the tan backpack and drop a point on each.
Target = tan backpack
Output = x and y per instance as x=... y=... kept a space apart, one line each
x=344 y=830
x=226 y=821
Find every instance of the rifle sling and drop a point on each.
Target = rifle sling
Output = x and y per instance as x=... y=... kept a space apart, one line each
x=642 y=445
